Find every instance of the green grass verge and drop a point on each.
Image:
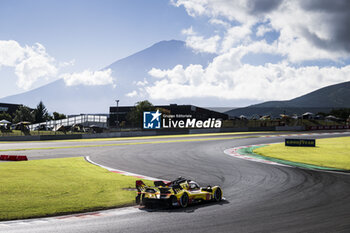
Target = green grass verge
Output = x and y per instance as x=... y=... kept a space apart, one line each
x=330 y=153
x=60 y=186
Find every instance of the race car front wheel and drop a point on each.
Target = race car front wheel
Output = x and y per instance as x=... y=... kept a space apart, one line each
x=218 y=194
x=184 y=200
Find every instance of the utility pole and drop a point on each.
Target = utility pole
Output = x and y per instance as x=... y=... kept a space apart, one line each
x=117 y=122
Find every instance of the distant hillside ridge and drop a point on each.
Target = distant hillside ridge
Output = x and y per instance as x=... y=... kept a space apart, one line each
x=322 y=100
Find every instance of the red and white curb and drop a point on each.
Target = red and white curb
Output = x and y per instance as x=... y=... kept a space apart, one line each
x=123 y=172
x=234 y=153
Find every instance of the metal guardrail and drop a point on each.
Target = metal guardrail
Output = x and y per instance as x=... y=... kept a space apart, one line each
x=85 y=120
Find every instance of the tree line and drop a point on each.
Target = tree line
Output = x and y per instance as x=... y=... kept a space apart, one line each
x=135 y=116
x=340 y=113
x=37 y=115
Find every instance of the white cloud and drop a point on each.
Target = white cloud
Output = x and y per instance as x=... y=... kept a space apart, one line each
x=201 y=44
x=263 y=29
x=236 y=36
x=31 y=63
x=65 y=64
x=224 y=79
x=308 y=30
x=219 y=22
x=303 y=32
x=232 y=10
x=89 y=78
x=157 y=73
x=189 y=31
x=10 y=53
x=132 y=94
x=297 y=27
x=141 y=83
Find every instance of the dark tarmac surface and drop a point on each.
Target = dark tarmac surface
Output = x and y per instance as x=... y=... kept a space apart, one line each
x=259 y=197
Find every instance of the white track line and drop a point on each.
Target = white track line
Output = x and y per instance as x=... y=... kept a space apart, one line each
x=234 y=153
x=122 y=172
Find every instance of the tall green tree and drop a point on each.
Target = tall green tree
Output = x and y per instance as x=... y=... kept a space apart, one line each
x=23 y=113
x=342 y=113
x=5 y=116
x=58 y=116
x=41 y=114
x=135 y=115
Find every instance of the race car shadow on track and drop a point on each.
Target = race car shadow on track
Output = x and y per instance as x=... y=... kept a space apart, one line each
x=159 y=207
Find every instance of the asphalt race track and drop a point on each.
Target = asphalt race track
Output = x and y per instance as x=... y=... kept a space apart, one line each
x=259 y=197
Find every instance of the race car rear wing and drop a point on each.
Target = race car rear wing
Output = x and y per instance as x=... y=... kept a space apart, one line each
x=161 y=183
x=140 y=186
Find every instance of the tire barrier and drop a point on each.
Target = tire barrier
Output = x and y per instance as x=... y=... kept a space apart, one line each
x=13 y=157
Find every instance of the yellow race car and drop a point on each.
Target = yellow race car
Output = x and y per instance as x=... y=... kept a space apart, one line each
x=180 y=192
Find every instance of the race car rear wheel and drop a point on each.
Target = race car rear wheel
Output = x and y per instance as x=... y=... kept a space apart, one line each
x=172 y=201
x=184 y=200
x=218 y=194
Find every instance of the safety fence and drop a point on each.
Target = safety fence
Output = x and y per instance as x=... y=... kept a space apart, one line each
x=84 y=120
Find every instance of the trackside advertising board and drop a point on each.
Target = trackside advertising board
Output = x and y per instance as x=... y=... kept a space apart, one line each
x=300 y=142
x=157 y=120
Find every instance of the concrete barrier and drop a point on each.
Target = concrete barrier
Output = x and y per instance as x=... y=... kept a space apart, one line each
x=268 y=128
x=120 y=134
x=198 y=131
x=227 y=130
x=60 y=137
x=20 y=138
x=41 y=137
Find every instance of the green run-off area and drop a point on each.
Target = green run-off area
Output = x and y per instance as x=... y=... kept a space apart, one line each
x=60 y=186
x=331 y=153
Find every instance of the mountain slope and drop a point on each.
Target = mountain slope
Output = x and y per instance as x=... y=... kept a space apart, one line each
x=128 y=71
x=321 y=100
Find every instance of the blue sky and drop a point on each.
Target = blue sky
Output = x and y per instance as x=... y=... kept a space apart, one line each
x=82 y=29
x=92 y=33
x=280 y=48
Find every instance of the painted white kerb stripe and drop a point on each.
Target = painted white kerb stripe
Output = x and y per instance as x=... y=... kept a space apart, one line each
x=234 y=153
x=122 y=172
x=72 y=217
